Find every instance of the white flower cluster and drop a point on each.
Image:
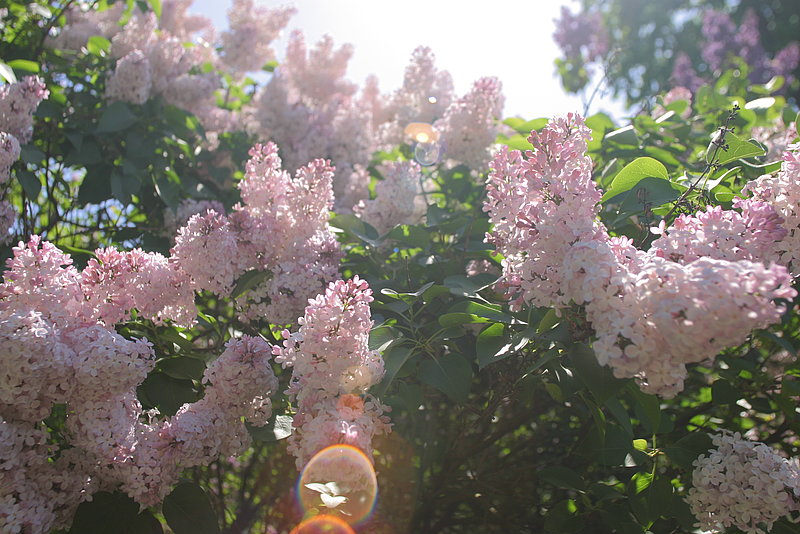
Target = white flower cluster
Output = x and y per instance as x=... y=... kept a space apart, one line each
x=743 y=484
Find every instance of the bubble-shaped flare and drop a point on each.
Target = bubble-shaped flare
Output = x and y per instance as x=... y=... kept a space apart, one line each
x=339 y=479
x=427 y=154
x=323 y=524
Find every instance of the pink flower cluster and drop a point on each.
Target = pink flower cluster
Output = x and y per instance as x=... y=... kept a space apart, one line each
x=280 y=226
x=469 y=125
x=174 y=220
x=782 y=192
x=310 y=110
x=743 y=484
x=724 y=39
x=748 y=234
x=581 y=35
x=251 y=29
x=59 y=347
x=424 y=97
x=397 y=198
x=18 y=101
x=333 y=368
x=703 y=286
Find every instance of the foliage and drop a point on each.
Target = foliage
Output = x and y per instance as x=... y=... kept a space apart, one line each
x=645 y=41
x=503 y=419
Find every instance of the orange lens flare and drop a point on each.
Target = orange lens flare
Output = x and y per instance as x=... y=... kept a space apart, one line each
x=421 y=132
x=323 y=524
x=340 y=482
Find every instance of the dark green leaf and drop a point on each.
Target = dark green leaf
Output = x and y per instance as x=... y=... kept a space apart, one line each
x=113 y=512
x=182 y=368
x=188 y=510
x=495 y=344
x=469 y=286
x=166 y=393
x=562 y=518
x=487 y=312
x=688 y=448
x=451 y=374
x=356 y=228
x=248 y=281
x=116 y=117
x=722 y=392
x=394 y=360
x=30 y=183
x=598 y=378
x=562 y=477
x=168 y=188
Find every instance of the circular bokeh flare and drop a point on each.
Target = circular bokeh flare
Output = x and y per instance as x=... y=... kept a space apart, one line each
x=339 y=481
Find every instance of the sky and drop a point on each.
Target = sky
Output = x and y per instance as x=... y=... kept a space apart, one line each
x=509 y=39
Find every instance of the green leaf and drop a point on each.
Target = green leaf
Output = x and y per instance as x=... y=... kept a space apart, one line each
x=410 y=236
x=458 y=318
x=639 y=482
x=722 y=392
x=621 y=415
x=182 y=368
x=30 y=183
x=633 y=173
x=624 y=136
x=487 y=312
x=168 y=187
x=562 y=477
x=524 y=127
x=97 y=45
x=490 y=341
x=166 y=393
x=188 y=510
x=155 y=5
x=277 y=428
x=7 y=73
x=613 y=448
x=24 y=65
x=598 y=378
x=394 y=360
x=517 y=142
x=647 y=408
x=248 y=281
x=113 y=512
x=640 y=444
x=562 y=518
x=356 y=227
x=495 y=344
x=451 y=374
x=469 y=286
x=738 y=149
x=116 y=117
x=688 y=448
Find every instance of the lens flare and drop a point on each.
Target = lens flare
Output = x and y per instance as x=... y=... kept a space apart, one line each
x=421 y=132
x=323 y=524
x=339 y=480
x=427 y=154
